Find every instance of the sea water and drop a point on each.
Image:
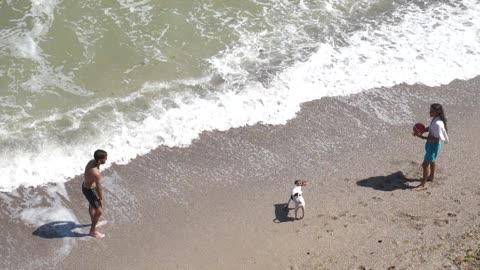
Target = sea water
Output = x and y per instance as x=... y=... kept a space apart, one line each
x=128 y=76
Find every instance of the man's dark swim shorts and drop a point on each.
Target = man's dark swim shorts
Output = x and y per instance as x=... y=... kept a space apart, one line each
x=92 y=196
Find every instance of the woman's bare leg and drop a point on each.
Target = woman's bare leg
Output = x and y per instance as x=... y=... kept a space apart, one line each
x=432 y=171
x=426 y=172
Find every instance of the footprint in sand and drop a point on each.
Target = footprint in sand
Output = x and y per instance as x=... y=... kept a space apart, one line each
x=414 y=221
x=440 y=222
x=418 y=226
x=364 y=204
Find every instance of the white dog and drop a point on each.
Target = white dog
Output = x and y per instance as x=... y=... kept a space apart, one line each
x=297 y=197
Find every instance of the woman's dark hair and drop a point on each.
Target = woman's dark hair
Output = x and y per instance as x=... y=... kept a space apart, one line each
x=439 y=109
x=99 y=154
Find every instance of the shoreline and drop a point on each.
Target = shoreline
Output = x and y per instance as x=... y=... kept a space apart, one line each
x=216 y=204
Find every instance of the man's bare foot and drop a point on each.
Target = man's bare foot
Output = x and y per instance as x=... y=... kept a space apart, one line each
x=430 y=179
x=97 y=234
x=420 y=187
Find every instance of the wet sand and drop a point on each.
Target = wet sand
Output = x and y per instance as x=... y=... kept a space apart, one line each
x=217 y=204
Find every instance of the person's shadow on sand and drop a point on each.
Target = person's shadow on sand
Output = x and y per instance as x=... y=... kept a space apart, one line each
x=281 y=213
x=391 y=182
x=60 y=229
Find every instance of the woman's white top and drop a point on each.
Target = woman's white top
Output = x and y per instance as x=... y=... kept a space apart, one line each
x=437 y=129
x=296 y=189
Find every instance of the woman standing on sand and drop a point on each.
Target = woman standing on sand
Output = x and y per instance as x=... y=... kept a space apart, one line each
x=437 y=132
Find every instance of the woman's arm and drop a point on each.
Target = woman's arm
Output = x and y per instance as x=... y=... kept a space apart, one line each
x=420 y=136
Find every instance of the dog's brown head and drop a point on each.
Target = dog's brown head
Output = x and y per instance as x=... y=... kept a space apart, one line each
x=301 y=182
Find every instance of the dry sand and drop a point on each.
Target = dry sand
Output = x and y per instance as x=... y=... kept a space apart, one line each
x=217 y=204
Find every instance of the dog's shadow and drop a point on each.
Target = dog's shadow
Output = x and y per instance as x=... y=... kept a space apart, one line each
x=60 y=229
x=281 y=213
x=390 y=182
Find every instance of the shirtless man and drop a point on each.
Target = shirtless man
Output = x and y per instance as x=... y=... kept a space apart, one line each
x=92 y=189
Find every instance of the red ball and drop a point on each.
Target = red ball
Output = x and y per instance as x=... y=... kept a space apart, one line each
x=419 y=128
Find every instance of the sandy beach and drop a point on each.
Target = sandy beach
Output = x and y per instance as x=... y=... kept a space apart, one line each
x=218 y=204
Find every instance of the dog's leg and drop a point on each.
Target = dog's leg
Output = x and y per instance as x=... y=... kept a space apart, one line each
x=286 y=206
x=303 y=212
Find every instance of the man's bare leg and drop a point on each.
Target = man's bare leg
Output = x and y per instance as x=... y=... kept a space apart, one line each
x=91 y=211
x=96 y=217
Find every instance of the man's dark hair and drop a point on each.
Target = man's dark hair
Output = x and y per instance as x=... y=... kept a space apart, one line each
x=99 y=154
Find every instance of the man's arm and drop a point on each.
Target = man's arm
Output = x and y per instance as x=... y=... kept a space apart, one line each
x=96 y=175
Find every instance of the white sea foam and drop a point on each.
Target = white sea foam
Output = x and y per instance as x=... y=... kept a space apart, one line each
x=429 y=46
x=27 y=47
x=48 y=77
x=47 y=213
x=24 y=43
